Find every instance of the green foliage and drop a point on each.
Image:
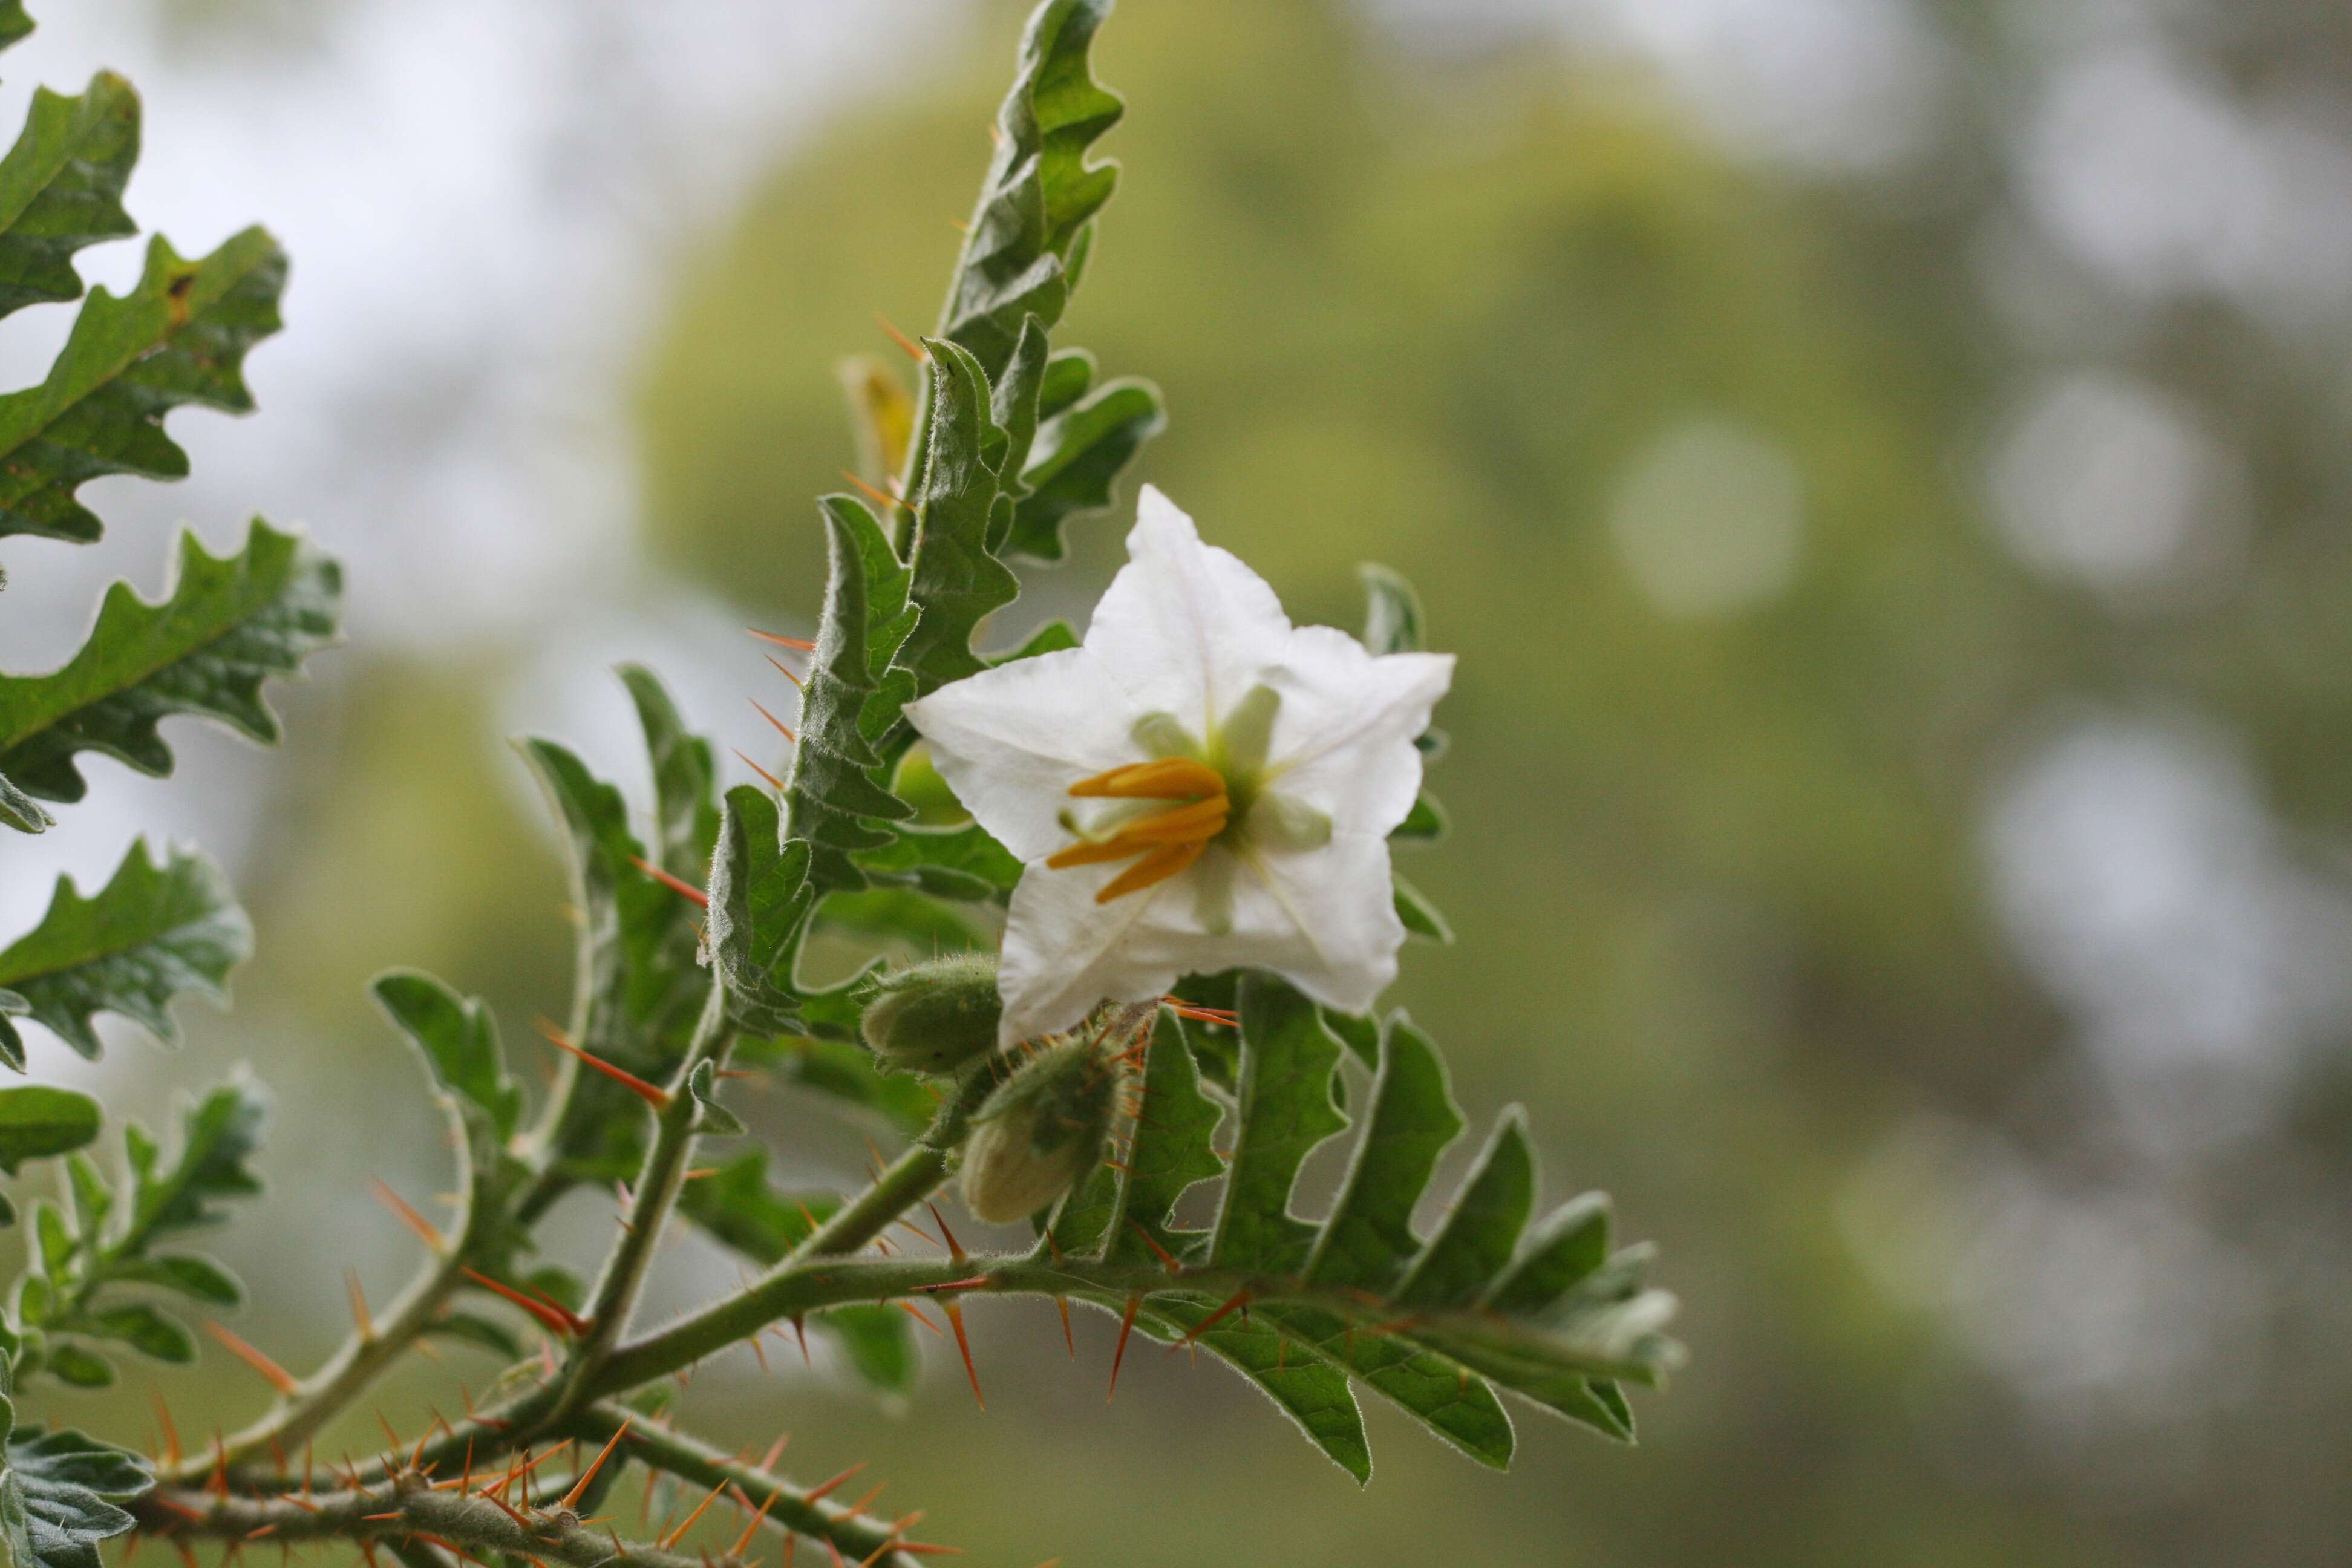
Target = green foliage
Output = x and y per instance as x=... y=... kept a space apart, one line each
x=962 y=515
x=60 y=1496
x=227 y=624
x=1435 y=1326
x=61 y=188
x=109 y=1234
x=154 y=930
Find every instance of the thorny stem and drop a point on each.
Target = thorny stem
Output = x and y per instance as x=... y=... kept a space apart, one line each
x=858 y=1536
x=654 y=1194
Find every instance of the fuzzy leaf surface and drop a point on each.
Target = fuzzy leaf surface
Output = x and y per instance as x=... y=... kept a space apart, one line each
x=154 y=930
x=179 y=337
x=228 y=623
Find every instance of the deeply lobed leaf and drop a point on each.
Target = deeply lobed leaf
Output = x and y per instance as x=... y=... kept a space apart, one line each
x=154 y=930
x=228 y=623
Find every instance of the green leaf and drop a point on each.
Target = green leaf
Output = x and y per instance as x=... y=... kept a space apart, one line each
x=1311 y=1390
x=153 y=932
x=37 y=1121
x=957 y=580
x=179 y=337
x=1368 y=1240
x=62 y=184
x=458 y=1041
x=58 y=1501
x=949 y=863
x=1075 y=462
x=1040 y=190
x=77 y=1367
x=144 y=1328
x=1474 y=1243
x=13 y=24
x=219 y=1135
x=846 y=1072
x=711 y=1119
x=1392 y=617
x=198 y=1279
x=1419 y=915
x=878 y=1343
x=1284 y=1110
x=472 y=1328
x=1425 y=823
x=1053 y=637
x=1565 y=1250
x=227 y=624
x=736 y=1204
x=685 y=803
x=760 y=906
x=831 y=800
x=1170 y=1151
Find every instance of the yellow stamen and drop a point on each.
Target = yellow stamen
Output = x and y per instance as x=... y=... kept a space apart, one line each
x=1164 y=843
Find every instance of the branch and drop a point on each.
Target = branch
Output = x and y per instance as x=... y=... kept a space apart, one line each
x=652 y=1199
x=860 y=1537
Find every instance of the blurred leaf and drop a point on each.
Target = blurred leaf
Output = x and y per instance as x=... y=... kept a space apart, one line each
x=878 y=1343
x=198 y=1279
x=180 y=337
x=13 y=24
x=219 y=1134
x=472 y=1329
x=37 y=1121
x=459 y=1042
x=21 y=810
x=154 y=930
x=1076 y=459
x=685 y=803
x=57 y=1499
x=1393 y=618
x=144 y=1328
x=227 y=624
x=62 y=184
x=1419 y=915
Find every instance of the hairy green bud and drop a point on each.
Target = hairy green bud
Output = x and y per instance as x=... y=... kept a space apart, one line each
x=1039 y=1133
x=935 y=1017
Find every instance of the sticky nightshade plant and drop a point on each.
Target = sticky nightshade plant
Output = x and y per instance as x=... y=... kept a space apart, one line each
x=1128 y=905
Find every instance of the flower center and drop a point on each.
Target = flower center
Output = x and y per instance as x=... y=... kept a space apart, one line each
x=1180 y=805
x=1192 y=794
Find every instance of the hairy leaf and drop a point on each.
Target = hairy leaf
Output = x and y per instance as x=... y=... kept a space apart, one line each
x=179 y=337
x=1284 y=1110
x=458 y=1041
x=957 y=580
x=61 y=187
x=58 y=1498
x=1368 y=1240
x=760 y=905
x=219 y=1135
x=685 y=803
x=831 y=799
x=1170 y=1151
x=228 y=623
x=152 y=933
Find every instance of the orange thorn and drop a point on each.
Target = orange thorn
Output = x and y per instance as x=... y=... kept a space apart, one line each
x=170 y=1433
x=1064 y=1303
x=672 y=1539
x=603 y=1454
x=652 y=1094
x=1238 y=1299
x=551 y=1315
x=916 y=1313
x=678 y=885
x=975 y=1282
x=955 y=1320
x=408 y=1215
x=800 y=1331
x=913 y=349
x=760 y=1354
x=884 y=498
x=955 y=1247
x=1167 y=1259
x=797 y=644
x=835 y=1484
x=781 y=728
x=860 y=1505
x=276 y=1376
x=838 y=1561
x=785 y=670
x=773 y=782
x=775 y=1452
x=1126 y=1324
x=359 y=1317
x=752 y=1528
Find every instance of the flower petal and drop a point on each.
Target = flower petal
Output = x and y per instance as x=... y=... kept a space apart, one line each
x=1343 y=738
x=1064 y=952
x=1011 y=740
x=1184 y=628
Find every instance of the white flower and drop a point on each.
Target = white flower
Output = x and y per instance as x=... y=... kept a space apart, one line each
x=1201 y=785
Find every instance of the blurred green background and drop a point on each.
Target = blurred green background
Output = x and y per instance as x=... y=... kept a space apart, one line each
x=1902 y=751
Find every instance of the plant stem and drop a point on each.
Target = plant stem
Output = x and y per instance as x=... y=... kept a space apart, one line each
x=860 y=1537
x=651 y=1201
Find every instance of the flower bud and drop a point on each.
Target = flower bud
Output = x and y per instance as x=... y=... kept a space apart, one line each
x=1039 y=1133
x=935 y=1017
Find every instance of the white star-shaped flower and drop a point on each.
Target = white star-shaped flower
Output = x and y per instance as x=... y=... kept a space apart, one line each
x=1201 y=785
